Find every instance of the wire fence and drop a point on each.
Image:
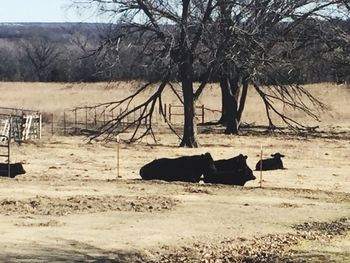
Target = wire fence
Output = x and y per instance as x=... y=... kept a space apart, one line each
x=89 y=119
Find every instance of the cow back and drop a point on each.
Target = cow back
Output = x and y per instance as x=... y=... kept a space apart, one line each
x=185 y=168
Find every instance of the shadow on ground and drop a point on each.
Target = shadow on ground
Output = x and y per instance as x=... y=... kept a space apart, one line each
x=72 y=251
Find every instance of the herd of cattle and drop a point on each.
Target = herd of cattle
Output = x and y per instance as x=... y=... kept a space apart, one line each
x=233 y=171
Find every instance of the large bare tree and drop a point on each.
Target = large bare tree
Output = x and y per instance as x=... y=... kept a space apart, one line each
x=251 y=39
x=257 y=42
x=170 y=33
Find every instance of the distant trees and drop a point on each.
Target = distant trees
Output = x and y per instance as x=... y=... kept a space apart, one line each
x=76 y=64
x=42 y=55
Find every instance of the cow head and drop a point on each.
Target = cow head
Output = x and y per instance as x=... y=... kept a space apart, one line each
x=17 y=168
x=208 y=164
x=277 y=155
x=245 y=171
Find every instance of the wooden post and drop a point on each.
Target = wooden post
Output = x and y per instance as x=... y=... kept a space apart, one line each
x=118 y=157
x=261 y=154
x=95 y=117
x=64 y=124
x=75 y=121
x=86 y=117
x=52 y=124
x=8 y=148
x=202 y=114
x=165 y=110
x=170 y=113
x=120 y=113
x=40 y=125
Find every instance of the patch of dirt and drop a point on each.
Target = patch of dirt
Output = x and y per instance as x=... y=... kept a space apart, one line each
x=45 y=205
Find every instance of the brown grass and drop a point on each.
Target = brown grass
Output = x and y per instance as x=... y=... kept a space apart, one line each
x=71 y=206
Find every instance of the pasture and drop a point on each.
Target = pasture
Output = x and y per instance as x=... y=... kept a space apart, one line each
x=72 y=206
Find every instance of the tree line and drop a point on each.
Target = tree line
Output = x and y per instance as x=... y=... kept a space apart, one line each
x=69 y=52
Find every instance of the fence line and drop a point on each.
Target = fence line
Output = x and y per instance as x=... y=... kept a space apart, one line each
x=90 y=118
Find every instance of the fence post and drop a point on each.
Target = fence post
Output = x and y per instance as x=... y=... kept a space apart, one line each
x=64 y=124
x=52 y=124
x=120 y=113
x=75 y=121
x=170 y=113
x=8 y=148
x=165 y=110
x=95 y=117
x=86 y=117
x=202 y=114
x=40 y=125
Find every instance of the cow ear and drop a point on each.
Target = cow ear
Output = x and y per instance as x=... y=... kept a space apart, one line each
x=208 y=155
x=272 y=155
x=246 y=157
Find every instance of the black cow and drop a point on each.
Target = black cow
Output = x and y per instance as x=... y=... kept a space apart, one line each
x=186 y=168
x=232 y=163
x=234 y=171
x=15 y=169
x=271 y=163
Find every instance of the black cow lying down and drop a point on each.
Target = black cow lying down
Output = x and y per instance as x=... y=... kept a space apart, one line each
x=186 y=168
x=234 y=171
x=15 y=169
x=271 y=163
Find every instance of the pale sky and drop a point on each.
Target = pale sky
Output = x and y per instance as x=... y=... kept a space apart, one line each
x=40 y=11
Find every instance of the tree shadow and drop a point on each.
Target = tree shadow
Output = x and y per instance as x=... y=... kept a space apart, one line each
x=69 y=251
x=265 y=131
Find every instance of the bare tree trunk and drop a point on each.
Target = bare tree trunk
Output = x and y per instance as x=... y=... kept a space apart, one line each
x=242 y=99
x=225 y=94
x=232 y=123
x=189 y=138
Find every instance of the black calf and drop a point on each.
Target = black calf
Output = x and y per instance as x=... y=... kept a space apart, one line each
x=271 y=163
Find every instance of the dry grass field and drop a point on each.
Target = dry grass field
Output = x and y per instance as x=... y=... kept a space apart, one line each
x=72 y=206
